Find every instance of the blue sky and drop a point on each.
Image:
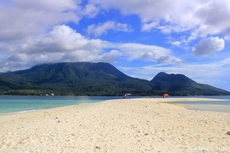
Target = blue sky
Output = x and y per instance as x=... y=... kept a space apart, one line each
x=139 y=37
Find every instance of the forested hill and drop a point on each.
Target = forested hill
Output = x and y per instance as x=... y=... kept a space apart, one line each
x=84 y=78
x=181 y=85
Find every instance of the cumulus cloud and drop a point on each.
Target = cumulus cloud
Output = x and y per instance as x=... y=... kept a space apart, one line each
x=176 y=43
x=90 y=10
x=214 y=17
x=63 y=44
x=62 y=39
x=148 y=56
x=200 y=18
x=152 y=12
x=82 y=56
x=136 y=51
x=149 y=26
x=30 y=17
x=208 y=46
x=100 y=29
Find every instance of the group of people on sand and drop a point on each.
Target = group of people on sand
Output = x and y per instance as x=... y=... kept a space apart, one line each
x=128 y=94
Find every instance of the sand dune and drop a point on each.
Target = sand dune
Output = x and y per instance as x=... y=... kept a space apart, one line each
x=116 y=126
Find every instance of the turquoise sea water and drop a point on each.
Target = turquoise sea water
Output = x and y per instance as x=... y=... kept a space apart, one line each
x=11 y=104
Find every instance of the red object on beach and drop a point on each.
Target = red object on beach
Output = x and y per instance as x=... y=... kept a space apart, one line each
x=165 y=95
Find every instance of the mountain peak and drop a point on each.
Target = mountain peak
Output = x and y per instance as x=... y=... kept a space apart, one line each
x=71 y=72
x=172 y=82
x=162 y=76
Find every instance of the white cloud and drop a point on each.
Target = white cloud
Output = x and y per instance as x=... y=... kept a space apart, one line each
x=148 y=55
x=63 y=43
x=171 y=12
x=62 y=39
x=84 y=56
x=214 y=16
x=65 y=40
x=100 y=29
x=30 y=17
x=176 y=43
x=168 y=59
x=135 y=51
x=208 y=46
x=138 y=51
x=90 y=10
x=200 y=18
x=149 y=26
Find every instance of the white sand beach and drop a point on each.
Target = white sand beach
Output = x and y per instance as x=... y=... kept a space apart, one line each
x=116 y=126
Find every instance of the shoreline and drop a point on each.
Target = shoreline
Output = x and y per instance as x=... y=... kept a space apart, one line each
x=123 y=125
x=172 y=101
x=168 y=100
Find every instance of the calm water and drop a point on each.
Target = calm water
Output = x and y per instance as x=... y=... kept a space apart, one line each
x=219 y=104
x=10 y=104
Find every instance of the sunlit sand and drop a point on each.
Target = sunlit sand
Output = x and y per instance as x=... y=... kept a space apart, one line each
x=117 y=126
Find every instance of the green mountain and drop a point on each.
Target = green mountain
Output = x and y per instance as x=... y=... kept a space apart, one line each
x=179 y=84
x=84 y=78
x=72 y=79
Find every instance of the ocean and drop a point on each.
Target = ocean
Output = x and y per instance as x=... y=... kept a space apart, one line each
x=12 y=104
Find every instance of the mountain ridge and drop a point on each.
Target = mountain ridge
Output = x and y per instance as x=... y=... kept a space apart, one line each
x=85 y=78
x=181 y=83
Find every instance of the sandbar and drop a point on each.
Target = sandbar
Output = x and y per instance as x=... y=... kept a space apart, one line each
x=144 y=125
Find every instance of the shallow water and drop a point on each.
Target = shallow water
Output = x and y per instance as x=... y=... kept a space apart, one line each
x=10 y=104
x=218 y=104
